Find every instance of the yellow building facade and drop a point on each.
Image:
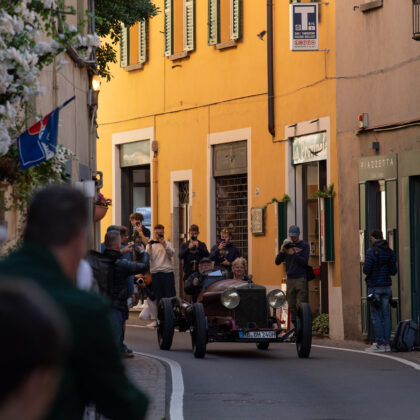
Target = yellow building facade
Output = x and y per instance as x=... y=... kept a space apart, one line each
x=184 y=132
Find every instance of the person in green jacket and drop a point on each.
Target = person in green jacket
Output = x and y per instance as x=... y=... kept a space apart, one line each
x=55 y=240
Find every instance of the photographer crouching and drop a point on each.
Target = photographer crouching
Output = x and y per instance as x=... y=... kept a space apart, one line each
x=380 y=265
x=296 y=254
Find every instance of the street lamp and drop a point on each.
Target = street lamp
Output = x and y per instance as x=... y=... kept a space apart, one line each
x=96 y=83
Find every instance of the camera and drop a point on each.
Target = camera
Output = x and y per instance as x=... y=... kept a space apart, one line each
x=138 y=223
x=153 y=242
x=160 y=235
x=193 y=238
x=371 y=297
x=139 y=281
x=289 y=245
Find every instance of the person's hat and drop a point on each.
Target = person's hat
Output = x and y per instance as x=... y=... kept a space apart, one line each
x=205 y=260
x=294 y=230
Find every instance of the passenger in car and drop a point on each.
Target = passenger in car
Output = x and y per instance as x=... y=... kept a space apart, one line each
x=194 y=283
x=239 y=268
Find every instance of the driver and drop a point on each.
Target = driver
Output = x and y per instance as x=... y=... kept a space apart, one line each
x=194 y=283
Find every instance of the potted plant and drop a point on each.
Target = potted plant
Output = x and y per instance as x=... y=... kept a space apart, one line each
x=101 y=207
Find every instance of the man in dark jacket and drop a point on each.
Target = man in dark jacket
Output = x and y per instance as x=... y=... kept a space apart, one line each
x=192 y=252
x=111 y=271
x=55 y=240
x=296 y=254
x=380 y=265
x=224 y=252
x=194 y=283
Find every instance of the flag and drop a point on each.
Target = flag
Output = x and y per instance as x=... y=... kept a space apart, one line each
x=39 y=142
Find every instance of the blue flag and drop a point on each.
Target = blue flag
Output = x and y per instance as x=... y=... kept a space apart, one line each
x=39 y=142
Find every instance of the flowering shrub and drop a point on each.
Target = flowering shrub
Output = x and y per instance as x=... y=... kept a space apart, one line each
x=102 y=201
x=23 y=55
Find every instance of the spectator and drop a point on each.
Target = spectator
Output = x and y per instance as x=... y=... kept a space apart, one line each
x=224 y=252
x=296 y=254
x=32 y=353
x=380 y=265
x=239 y=267
x=161 y=266
x=192 y=252
x=55 y=240
x=111 y=227
x=141 y=234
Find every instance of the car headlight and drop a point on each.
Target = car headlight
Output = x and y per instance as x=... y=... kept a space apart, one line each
x=276 y=298
x=230 y=298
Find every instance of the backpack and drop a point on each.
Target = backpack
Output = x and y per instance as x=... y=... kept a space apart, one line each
x=406 y=336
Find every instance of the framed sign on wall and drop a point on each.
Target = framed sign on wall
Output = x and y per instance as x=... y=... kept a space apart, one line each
x=257 y=221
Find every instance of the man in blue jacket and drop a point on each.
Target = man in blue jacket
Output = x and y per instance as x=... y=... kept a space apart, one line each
x=296 y=254
x=380 y=265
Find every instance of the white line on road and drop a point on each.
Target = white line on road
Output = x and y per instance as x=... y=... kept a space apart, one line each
x=397 y=359
x=177 y=397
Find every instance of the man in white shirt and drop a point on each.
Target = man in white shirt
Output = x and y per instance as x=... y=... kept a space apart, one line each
x=161 y=265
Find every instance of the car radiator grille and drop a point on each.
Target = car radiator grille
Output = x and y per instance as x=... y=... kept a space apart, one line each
x=252 y=309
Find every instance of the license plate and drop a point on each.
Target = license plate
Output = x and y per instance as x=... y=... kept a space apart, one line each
x=257 y=334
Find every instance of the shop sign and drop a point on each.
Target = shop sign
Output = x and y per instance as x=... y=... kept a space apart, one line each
x=310 y=148
x=135 y=153
x=378 y=167
x=304 y=27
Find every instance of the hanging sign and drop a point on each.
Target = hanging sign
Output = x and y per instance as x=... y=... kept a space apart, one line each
x=310 y=148
x=304 y=26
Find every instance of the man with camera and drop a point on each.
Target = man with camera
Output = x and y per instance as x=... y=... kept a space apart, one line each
x=192 y=252
x=224 y=252
x=194 y=282
x=296 y=254
x=140 y=236
x=380 y=265
x=161 y=266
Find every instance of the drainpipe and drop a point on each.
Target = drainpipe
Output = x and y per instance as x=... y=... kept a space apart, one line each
x=270 y=67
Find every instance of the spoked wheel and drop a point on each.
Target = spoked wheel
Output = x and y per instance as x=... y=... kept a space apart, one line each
x=166 y=324
x=304 y=330
x=263 y=345
x=199 y=331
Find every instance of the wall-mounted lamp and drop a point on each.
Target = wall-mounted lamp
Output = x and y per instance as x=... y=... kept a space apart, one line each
x=375 y=146
x=96 y=83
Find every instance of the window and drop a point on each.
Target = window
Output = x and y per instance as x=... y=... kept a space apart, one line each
x=134 y=44
x=225 y=18
x=416 y=20
x=179 y=27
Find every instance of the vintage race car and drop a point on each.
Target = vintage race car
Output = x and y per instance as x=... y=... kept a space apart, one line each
x=232 y=311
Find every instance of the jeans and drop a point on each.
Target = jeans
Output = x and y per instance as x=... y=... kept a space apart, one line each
x=118 y=320
x=379 y=312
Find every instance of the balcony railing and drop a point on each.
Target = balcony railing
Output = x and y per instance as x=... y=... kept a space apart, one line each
x=416 y=20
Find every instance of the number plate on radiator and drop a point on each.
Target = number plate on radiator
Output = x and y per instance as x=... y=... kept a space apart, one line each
x=257 y=334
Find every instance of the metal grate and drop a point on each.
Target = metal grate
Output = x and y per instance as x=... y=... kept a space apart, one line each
x=416 y=20
x=252 y=308
x=232 y=209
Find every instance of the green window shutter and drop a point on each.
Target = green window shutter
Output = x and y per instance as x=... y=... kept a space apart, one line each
x=235 y=19
x=143 y=41
x=213 y=23
x=189 y=25
x=169 y=36
x=281 y=222
x=124 y=46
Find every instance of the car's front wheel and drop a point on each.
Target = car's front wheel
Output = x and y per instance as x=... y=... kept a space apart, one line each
x=166 y=324
x=304 y=330
x=199 y=331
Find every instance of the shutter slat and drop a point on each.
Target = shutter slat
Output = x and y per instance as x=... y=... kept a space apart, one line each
x=168 y=28
x=143 y=41
x=124 y=46
x=189 y=23
x=235 y=19
x=213 y=23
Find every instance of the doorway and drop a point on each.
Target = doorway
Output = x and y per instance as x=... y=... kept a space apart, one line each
x=415 y=245
x=135 y=194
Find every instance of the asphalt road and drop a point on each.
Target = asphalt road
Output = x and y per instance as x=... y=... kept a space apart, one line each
x=238 y=381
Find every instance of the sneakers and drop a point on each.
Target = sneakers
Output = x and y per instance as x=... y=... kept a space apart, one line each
x=387 y=347
x=153 y=324
x=377 y=348
x=126 y=349
x=126 y=355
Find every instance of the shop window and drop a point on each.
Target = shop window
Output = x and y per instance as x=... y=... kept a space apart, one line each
x=133 y=44
x=179 y=28
x=225 y=21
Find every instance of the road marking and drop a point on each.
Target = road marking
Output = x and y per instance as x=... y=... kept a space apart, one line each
x=397 y=359
x=177 y=397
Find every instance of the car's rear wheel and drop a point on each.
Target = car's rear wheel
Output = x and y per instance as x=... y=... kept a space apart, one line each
x=263 y=345
x=304 y=330
x=199 y=331
x=166 y=324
